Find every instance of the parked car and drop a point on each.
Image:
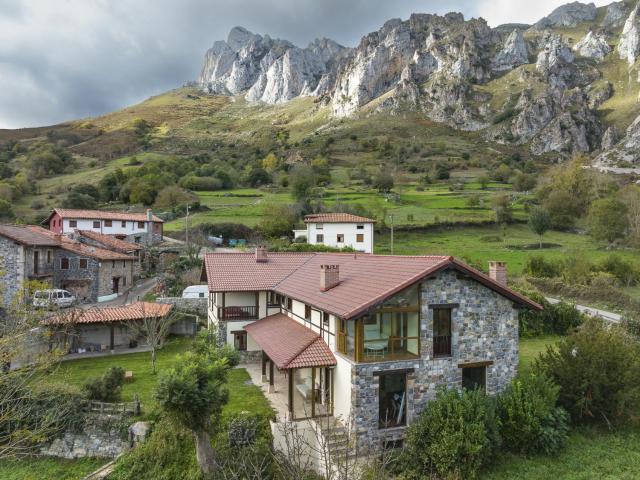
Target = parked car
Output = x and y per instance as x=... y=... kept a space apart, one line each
x=53 y=298
x=195 y=291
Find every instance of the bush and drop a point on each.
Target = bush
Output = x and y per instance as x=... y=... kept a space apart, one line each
x=454 y=437
x=106 y=388
x=554 y=319
x=623 y=270
x=530 y=421
x=200 y=184
x=538 y=266
x=598 y=371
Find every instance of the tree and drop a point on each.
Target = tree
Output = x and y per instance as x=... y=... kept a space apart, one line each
x=301 y=181
x=630 y=196
x=258 y=177
x=76 y=199
x=193 y=393
x=154 y=328
x=483 y=180
x=501 y=205
x=473 y=200
x=173 y=196
x=277 y=221
x=539 y=221
x=383 y=181
x=608 y=219
x=271 y=163
x=523 y=182
x=6 y=210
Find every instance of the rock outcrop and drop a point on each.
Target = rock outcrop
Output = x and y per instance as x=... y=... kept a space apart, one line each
x=593 y=45
x=629 y=44
x=625 y=152
x=270 y=70
x=568 y=15
x=615 y=15
x=514 y=52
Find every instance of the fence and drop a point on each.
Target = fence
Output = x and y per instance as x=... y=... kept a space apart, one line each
x=124 y=408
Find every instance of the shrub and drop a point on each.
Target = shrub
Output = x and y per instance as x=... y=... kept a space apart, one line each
x=106 y=388
x=538 y=266
x=455 y=436
x=598 y=371
x=623 y=270
x=530 y=421
x=558 y=319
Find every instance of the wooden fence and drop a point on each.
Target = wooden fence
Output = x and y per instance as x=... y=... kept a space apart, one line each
x=116 y=408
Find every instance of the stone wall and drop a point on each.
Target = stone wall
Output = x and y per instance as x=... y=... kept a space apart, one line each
x=93 y=441
x=484 y=329
x=11 y=278
x=190 y=305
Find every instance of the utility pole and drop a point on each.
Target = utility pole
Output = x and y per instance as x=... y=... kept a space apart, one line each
x=186 y=228
x=391 y=217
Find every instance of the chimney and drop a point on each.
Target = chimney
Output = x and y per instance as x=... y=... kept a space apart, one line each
x=498 y=272
x=149 y=215
x=261 y=254
x=329 y=277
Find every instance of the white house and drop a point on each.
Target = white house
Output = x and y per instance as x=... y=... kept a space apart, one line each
x=364 y=339
x=135 y=227
x=340 y=230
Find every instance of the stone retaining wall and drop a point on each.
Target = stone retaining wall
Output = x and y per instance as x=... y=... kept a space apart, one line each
x=191 y=305
x=93 y=441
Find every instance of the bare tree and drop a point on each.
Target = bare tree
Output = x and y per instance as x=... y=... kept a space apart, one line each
x=153 y=328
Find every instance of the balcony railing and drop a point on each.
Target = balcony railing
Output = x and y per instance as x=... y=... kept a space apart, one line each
x=238 y=313
x=442 y=346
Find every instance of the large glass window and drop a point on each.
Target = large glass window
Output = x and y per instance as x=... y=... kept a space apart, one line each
x=392 y=400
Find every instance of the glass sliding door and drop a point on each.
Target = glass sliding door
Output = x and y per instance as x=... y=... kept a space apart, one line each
x=310 y=392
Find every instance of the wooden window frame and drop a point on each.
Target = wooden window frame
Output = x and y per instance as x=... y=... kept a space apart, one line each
x=123 y=224
x=340 y=238
x=85 y=262
x=73 y=223
x=96 y=224
x=63 y=261
x=140 y=224
x=443 y=351
x=359 y=237
x=240 y=334
x=108 y=223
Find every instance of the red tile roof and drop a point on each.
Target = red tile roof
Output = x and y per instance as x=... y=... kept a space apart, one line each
x=101 y=215
x=110 y=241
x=289 y=343
x=25 y=236
x=336 y=218
x=364 y=279
x=134 y=311
x=70 y=245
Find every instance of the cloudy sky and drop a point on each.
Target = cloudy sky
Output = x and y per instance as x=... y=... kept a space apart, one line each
x=67 y=59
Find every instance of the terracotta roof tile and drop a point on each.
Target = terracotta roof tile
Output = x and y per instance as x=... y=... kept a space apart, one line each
x=364 y=279
x=103 y=215
x=134 y=311
x=110 y=241
x=336 y=218
x=289 y=343
x=25 y=236
x=70 y=245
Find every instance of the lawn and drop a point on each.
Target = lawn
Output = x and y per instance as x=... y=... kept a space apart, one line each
x=480 y=244
x=39 y=468
x=242 y=395
x=530 y=348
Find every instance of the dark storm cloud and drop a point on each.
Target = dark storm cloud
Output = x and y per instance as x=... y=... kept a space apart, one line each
x=66 y=59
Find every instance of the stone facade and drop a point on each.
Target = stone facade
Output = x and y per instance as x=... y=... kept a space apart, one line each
x=191 y=305
x=484 y=329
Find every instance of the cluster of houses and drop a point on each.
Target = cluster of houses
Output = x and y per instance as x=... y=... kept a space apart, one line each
x=95 y=255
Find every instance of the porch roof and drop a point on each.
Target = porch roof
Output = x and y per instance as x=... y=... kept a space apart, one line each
x=290 y=344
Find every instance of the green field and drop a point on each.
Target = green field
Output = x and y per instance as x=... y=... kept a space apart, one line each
x=48 y=468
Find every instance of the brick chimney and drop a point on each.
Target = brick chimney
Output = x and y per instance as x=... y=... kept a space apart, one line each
x=329 y=277
x=261 y=254
x=498 y=272
x=149 y=215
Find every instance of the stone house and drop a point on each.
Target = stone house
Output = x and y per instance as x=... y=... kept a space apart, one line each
x=364 y=339
x=114 y=244
x=144 y=228
x=24 y=255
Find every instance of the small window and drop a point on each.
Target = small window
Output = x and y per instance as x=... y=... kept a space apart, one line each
x=124 y=263
x=108 y=223
x=113 y=264
x=319 y=238
x=360 y=227
x=83 y=263
x=319 y=226
x=240 y=340
x=325 y=319
x=360 y=237
x=474 y=378
x=49 y=259
x=201 y=294
x=140 y=224
x=96 y=224
x=307 y=312
x=441 y=332
x=64 y=263
x=340 y=238
x=73 y=223
x=289 y=303
x=123 y=223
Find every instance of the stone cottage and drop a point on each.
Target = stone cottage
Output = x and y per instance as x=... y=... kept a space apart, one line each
x=364 y=339
x=114 y=244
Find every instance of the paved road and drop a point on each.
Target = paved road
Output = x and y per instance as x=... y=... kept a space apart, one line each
x=139 y=290
x=594 y=312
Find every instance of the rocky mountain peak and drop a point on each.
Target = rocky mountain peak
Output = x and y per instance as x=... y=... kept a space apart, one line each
x=615 y=15
x=240 y=37
x=593 y=45
x=514 y=52
x=568 y=15
x=629 y=45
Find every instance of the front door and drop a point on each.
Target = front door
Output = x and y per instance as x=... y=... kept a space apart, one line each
x=116 y=284
x=36 y=261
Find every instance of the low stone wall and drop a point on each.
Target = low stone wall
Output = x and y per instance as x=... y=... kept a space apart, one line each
x=191 y=305
x=94 y=441
x=250 y=357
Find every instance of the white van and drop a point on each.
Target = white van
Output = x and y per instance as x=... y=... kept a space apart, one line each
x=53 y=298
x=196 y=291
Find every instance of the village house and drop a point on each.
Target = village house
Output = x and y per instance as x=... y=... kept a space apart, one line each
x=338 y=230
x=114 y=244
x=102 y=329
x=364 y=339
x=143 y=228
x=25 y=255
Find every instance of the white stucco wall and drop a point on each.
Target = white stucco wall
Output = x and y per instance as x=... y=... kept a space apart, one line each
x=330 y=233
x=342 y=389
x=130 y=227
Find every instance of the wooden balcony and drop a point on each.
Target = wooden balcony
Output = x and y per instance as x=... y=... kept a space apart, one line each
x=238 y=313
